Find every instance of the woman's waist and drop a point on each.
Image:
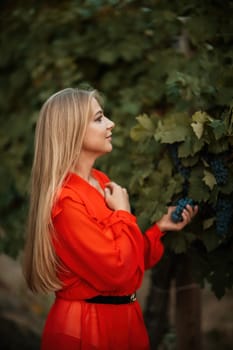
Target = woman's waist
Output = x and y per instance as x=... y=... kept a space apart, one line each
x=91 y=295
x=79 y=290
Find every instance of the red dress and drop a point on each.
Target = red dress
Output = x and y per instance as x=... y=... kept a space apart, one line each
x=103 y=253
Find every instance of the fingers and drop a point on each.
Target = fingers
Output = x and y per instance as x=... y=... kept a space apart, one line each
x=107 y=191
x=116 y=197
x=167 y=224
x=188 y=213
x=195 y=210
x=112 y=186
x=186 y=216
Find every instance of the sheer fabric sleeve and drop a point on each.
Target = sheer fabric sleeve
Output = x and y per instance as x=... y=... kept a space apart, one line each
x=153 y=246
x=107 y=254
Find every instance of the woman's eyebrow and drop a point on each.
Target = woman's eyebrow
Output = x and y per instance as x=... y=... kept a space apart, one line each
x=99 y=112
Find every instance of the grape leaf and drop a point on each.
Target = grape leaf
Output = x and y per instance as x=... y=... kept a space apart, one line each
x=209 y=179
x=201 y=117
x=219 y=128
x=165 y=166
x=145 y=122
x=190 y=147
x=173 y=134
x=173 y=128
x=138 y=133
x=208 y=223
x=198 y=190
x=198 y=129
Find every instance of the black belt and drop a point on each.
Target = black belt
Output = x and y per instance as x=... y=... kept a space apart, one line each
x=102 y=299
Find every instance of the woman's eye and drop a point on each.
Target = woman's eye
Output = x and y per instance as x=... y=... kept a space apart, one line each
x=99 y=119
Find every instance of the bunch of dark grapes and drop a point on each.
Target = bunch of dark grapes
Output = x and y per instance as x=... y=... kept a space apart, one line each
x=176 y=215
x=224 y=215
x=219 y=170
x=184 y=171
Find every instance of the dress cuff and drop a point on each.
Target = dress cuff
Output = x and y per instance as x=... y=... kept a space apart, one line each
x=156 y=230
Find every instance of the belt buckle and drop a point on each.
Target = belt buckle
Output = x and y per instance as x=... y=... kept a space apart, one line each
x=133 y=297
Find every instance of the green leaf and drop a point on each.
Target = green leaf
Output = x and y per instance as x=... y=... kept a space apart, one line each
x=158 y=213
x=209 y=179
x=190 y=147
x=219 y=128
x=145 y=122
x=208 y=223
x=218 y=146
x=173 y=128
x=190 y=161
x=201 y=117
x=198 y=190
x=165 y=166
x=170 y=136
x=138 y=133
x=198 y=129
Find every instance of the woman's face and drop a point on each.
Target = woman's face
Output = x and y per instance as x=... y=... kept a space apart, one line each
x=98 y=140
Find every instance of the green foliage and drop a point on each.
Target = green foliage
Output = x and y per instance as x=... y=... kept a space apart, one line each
x=170 y=63
x=196 y=137
x=180 y=129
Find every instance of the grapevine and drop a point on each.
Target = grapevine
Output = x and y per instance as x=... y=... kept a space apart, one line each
x=223 y=207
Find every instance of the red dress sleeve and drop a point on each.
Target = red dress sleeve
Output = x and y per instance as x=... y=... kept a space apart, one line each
x=153 y=246
x=107 y=254
x=106 y=249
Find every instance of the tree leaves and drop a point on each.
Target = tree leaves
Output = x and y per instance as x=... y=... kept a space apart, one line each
x=190 y=146
x=219 y=128
x=145 y=122
x=195 y=138
x=165 y=63
x=173 y=128
x=198 y=190
x=209 y=179
x=198 y=129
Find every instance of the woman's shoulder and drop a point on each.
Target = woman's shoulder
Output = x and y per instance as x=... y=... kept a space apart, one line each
x=70 y=190
x=78 y=191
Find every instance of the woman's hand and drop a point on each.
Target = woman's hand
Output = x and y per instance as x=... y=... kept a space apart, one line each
x=116 y=197
x=166 y=223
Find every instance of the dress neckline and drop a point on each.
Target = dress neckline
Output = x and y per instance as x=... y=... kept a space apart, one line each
x=94 y=175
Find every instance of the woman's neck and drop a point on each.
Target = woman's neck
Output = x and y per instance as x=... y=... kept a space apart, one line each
x=84 y=167
x=84 y=170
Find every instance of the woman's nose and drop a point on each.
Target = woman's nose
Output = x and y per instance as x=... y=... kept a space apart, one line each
x=111 y=124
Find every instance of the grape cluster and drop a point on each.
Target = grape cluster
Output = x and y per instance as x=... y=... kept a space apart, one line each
x=176 y=215
x=224 y=215
x=219 y=170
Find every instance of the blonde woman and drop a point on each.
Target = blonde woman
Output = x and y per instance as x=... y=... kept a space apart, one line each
x=82 y=242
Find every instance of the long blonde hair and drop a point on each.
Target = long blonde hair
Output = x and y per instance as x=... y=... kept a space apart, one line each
x=59 y=136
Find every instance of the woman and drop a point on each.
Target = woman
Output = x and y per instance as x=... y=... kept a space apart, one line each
x=83 y=243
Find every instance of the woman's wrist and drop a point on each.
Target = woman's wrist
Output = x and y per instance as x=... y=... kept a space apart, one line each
x=161 y=226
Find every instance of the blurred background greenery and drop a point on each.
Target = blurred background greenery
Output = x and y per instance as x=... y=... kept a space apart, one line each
x=150 y=59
